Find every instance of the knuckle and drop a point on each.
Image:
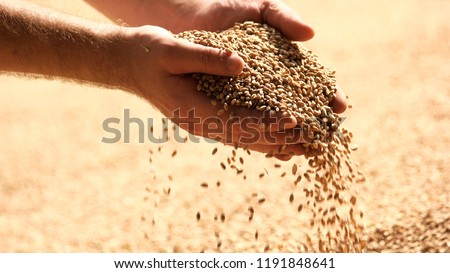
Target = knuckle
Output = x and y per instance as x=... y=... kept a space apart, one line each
x=207 y=57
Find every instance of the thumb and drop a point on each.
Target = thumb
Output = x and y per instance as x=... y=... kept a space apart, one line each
x=188 y=57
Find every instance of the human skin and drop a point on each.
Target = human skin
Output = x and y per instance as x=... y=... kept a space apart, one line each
x=147 y=60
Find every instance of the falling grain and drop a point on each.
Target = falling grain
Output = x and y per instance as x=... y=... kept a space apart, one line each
x=284 y=77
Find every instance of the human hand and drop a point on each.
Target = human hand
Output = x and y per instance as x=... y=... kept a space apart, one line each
x=178 y=58
x=158 y=70
x=220 y=15
x=181 y=15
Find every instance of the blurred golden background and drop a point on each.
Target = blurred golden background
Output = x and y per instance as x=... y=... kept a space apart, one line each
x=63 y=190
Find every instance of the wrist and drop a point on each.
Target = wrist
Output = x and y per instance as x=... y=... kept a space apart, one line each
x=136 y=57
x=114 y=59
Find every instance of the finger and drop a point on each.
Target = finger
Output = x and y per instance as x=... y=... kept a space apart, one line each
x=277 y=121
x=266 y=121
x=286 y=137
x=291 y=136
x=283 y=157
x=283 y=149
x=339 y=104
x=279 y=151
x=242 y=133
x=186 y=57
x=280 y=16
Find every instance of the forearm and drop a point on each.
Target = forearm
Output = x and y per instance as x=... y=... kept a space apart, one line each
x=38 y=41
x=169 y=14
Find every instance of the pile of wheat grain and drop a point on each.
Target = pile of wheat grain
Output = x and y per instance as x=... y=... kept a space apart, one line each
x=427 y=231
x=279 y=76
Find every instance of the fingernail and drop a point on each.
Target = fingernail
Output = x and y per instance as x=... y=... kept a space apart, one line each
x=234 y=63
x=288 y=121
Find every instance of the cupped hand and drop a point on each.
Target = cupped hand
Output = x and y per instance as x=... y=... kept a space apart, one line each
x=163 y=63
x=159 y=68
x=220 y=15
x=180 y=15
